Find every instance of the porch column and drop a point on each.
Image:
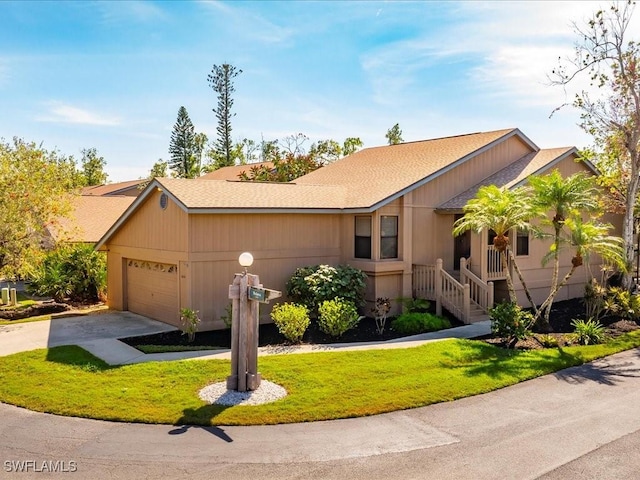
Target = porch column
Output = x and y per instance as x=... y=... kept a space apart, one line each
x=438 y=286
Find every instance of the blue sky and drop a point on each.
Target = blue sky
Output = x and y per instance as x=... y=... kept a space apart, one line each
x=112 y=75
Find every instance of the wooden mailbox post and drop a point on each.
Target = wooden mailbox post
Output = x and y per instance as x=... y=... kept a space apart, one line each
x=246 y=294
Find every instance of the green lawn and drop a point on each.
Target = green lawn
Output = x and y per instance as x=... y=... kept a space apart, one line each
x=321 y=386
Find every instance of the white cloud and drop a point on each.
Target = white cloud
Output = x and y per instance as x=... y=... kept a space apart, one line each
x=61 y=113
x=131 y=10
x=252 y=25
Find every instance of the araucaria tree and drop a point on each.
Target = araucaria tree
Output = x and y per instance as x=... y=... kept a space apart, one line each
x=221 y=80
x=611 y=110
x=184 y=150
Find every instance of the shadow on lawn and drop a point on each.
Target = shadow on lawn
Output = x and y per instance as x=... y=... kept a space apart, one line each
x=478 y=358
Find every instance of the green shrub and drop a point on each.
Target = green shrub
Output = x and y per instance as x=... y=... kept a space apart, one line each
x=190 y=320
x=75 y=272
x=413 y=305
x=548 y=341
x=416 y=322
x=510 y=322
x=623 y=303
x=291 y=319
x=590 y=332
x=311 y=286
x=337 y=316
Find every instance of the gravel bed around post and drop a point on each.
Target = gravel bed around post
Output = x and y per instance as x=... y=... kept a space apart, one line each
x=267 y=392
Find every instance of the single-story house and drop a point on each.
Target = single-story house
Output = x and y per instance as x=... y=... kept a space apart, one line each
x=387 y=210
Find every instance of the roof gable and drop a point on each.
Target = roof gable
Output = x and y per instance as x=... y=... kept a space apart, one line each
x=375 y=176
x=515 y=174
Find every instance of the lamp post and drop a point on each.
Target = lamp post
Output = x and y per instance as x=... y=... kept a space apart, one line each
x=244 y=330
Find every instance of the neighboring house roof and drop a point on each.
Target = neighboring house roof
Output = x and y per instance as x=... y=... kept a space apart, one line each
x=119 y=188
x=90 y=218
x=514 y=174
x=231 y=173
x=378 y=175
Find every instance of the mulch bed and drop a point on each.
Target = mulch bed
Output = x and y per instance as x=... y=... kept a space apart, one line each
x=44 y=308
x=365 y=331
x=560 y=318
x=562 y=314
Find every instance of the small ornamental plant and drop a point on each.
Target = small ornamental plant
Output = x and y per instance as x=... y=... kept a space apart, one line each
x=190 y=320
x=292 y=320
x=590 y=332
x=337 y=316
x=380 y=312
x=510 y=322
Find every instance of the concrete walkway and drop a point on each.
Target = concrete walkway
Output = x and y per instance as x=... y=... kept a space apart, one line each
x=99 y=335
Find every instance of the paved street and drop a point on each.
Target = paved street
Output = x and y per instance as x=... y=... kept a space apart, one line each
x=579 y=423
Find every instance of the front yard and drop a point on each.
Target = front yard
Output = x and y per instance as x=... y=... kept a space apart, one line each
x=320 y=386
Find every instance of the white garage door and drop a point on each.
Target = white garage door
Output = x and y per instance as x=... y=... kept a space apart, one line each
x=152 y=290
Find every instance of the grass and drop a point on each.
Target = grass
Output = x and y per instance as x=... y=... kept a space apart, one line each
x=175 y=348
x=321 y=386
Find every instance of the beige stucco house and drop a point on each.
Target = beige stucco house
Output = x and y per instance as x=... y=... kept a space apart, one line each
x=386 y=210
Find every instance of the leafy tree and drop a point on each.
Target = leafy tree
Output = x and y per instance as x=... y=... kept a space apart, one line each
x=221 y=80
x=394 y=135
x=184 y=148
x=93 y=167
x=159 y=169
x=327 y=151
x=610 y=111
x=34 y=185
x=284 y=169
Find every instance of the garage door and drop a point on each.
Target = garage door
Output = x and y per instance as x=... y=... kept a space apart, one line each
x=152 y=290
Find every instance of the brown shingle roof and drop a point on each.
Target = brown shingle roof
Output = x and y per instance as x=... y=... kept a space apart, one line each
x=512 y=175
x=195 y=194
x=231 y=173
x=90 y=218
x=111 y=188
x=373 y=175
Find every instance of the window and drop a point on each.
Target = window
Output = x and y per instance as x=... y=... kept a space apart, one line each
x=363 y=238
x=522 y=242
x=388 y=237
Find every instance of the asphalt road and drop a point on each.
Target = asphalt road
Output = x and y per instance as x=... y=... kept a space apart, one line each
x=578 y=423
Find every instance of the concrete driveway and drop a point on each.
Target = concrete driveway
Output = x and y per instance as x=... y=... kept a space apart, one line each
x=84 y=330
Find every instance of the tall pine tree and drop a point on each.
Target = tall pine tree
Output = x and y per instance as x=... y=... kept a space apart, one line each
x=221 y=80
x=185 y=161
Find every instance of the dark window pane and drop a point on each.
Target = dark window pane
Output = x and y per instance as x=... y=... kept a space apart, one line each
x=388 y=226
x=363 y=247
x=522 y=244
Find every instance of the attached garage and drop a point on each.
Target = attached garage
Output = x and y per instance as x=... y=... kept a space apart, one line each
x=152 y=290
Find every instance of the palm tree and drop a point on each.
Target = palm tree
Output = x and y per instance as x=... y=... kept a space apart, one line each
x=501 y=210
x=585 y=238
x=563 y=198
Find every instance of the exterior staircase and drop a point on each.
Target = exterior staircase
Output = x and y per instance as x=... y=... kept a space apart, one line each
x=467 y=297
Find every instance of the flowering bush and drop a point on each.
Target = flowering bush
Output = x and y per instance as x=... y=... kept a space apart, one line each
x=313 y=285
